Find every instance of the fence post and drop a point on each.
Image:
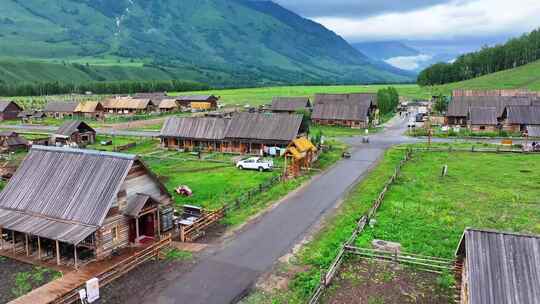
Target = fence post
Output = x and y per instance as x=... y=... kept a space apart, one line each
x=182 y=234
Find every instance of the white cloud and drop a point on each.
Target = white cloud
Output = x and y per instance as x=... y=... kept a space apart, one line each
x=409 y=63
x=456 y=19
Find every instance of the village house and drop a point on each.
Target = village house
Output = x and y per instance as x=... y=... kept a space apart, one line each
x=290 y=104
x=358 y=110
x=90 y=109
x=70 y=205
x=12 y=141
x=26 y=115
x=199 y=102
x=483 y=119
x=517 y=119
x=244 y=133
x=74 y=132
x=9 y=110
x=459 y=107
x=169 y=105
x=499 y=267
x=128 y=106
x=60 y=109
x=300 y=154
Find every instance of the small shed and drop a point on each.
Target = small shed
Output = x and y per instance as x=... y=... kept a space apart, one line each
x=9 y=110
x=290 y=104
x=12 y=141
x=76 y=131
x=299 y=156
x=499 y=267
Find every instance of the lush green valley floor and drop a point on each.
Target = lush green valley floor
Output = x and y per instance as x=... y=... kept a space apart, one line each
x=259 y=96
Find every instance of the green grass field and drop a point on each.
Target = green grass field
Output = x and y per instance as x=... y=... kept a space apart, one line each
x=260 y=96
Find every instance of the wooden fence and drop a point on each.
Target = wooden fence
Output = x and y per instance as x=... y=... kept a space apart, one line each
x=120 y=269
x=195 y=231
x=472 y=149
x=246 y=197
x=326 y=278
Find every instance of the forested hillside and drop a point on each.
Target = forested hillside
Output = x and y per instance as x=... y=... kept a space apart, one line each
x=234 y=42
x=516 y=52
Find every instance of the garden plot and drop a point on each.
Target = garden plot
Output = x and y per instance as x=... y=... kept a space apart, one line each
x=374 y=282
x=19 y=278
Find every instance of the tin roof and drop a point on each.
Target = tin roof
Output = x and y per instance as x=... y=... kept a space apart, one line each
x=483 y=116
x=503 y=267
x=290 y=104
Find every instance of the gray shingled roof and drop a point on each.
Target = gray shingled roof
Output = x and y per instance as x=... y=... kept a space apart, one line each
x=483 y=116
x=366 y=99
x=195 y=128
x=5 y=103
x=341 y=111
x=60 y=106
x=290 y=104
x=459 y=106
x=256 y=126
x=70 y=127
x=63 y=194
x=533 y=131
x=523 y=115
x=264 y=126
x=503 y=268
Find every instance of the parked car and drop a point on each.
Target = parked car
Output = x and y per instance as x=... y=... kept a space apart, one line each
x=420 y=117
x=255 y=163
x=411 y=124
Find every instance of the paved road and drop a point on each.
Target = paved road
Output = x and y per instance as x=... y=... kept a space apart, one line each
x=103 y=131
x=225 y=275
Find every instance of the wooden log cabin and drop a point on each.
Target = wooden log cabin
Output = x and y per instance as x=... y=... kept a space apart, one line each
x=90 y=109
x=299 y=156
x=483 y=119
x=69 y=205
x=129 y=106
x=199 y=102
x=518 y=119
x=498 y=267
x=244 y=133
x=12 y=141
x=60 y=109
x=74 y=132
x=357 y=110
x=9 y=110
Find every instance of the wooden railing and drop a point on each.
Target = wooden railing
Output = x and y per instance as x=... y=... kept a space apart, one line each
x=120 y=268
x=195 y=231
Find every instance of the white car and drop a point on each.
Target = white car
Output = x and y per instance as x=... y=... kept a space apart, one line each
x=255 y=163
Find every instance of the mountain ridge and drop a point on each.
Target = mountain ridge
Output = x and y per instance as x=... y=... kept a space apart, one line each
x=235 y=42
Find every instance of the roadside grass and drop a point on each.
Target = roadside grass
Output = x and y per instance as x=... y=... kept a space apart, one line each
x=28 y=280
x=178 y=255
x=463 y=133
x=264 y=95
x=335 y=131
x=427 y=213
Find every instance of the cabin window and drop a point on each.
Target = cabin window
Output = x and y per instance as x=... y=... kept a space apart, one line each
x=85 y=138
x=482 y=127
x=114 y=233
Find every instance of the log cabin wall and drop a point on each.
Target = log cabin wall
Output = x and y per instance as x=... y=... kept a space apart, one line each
x=138 y=180
x=114 y=234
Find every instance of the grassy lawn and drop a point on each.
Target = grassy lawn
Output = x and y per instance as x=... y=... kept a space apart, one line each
x=427 y=213
x=423 y=211
x=143 y=145
x=259 y=96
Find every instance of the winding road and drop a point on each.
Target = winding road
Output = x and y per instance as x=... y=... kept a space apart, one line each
x=227 y=273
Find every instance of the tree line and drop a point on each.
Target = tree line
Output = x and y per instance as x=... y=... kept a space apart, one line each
x=99 y=87
x=387 y=100
x=516 y=52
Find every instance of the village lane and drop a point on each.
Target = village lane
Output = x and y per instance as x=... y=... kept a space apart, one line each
x=228 y=273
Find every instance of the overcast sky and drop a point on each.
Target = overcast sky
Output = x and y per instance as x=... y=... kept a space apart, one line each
x=458 y=20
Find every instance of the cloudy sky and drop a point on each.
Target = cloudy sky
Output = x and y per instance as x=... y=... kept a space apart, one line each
x=479 y=21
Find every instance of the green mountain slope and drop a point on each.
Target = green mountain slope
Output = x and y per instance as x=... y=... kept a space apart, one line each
x=523 y=77
x=230 y=42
